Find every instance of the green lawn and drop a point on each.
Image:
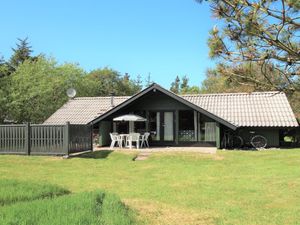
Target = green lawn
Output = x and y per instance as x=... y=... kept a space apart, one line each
x=231 y=187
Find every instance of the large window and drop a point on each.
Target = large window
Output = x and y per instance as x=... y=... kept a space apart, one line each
x=195 y=127
x=207 y=129
x=187 y=131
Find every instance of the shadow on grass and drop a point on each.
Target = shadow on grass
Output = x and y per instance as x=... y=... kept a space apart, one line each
x=95 y=155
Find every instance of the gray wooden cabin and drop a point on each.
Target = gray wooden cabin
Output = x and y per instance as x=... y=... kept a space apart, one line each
x=184 y=120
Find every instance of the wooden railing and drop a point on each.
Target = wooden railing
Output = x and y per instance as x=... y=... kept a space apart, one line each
x=45 y=139
x=186 y=135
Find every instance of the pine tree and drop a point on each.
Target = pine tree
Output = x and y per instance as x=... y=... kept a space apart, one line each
x=184 y=86
x=148 y=80
x=126 y=77
x=4 y=68
x=20 y=53
x=139 y=82
x=175 y=86
x=263 y=33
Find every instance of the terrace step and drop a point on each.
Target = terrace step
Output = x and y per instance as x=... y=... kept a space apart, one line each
x=142 y=156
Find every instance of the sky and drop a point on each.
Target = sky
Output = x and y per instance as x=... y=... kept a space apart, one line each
x=165 y=38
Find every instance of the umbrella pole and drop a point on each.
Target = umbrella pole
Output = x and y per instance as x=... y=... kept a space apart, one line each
x=131 y=126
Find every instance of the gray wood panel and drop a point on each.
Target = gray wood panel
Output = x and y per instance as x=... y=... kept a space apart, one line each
x=12 y=139
x=45 y=139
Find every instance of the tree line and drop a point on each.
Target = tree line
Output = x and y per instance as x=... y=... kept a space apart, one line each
x=33 y=87
x=257 y=48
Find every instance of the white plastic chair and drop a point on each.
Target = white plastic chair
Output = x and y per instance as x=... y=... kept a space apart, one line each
x=133 y=137
x=115 y=139
x=144 y=139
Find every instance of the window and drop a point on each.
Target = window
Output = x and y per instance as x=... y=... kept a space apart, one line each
x=187 y=131
x=186 y=120
x=207 y=129
x=210 y=131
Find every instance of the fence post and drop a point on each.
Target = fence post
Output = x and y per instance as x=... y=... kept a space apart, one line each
x=66 y=138
x=27 y=138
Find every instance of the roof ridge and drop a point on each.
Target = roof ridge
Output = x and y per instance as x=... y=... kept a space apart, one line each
x=235 y=93
x=224 y=93
x=99 y=97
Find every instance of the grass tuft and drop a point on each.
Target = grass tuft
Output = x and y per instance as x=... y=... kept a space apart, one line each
x=12 y=191
x=89 y=208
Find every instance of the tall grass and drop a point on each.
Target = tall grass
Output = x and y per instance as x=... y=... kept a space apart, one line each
x=12 y=191
x=90 y=208
x=114 y=212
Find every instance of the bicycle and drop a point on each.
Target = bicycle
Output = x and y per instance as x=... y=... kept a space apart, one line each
x=258 y=141
x=231 y=140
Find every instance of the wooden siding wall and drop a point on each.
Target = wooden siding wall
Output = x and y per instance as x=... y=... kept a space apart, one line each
x=155 y=101
x=104 y=130
x=271 y=134
x=44 y=139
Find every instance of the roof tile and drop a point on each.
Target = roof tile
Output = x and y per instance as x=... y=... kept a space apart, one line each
x=266 y=109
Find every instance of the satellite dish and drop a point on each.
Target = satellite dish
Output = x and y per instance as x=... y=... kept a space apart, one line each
x=71 y=92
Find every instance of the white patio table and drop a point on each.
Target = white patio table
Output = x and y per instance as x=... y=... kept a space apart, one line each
x=143 y=139
x=123 y=138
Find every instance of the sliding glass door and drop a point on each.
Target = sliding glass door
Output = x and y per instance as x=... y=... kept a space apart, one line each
x=154 y=125
x=161 y=125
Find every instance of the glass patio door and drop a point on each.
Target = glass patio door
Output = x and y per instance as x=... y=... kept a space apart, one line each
x=168 y=126
x=161 y=126
x=154 y=125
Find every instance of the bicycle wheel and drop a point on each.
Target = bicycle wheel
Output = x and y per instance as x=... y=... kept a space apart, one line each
x=258 y=141
x=237 y=142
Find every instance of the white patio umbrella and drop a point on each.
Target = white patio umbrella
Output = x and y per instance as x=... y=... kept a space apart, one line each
x=130 y=117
